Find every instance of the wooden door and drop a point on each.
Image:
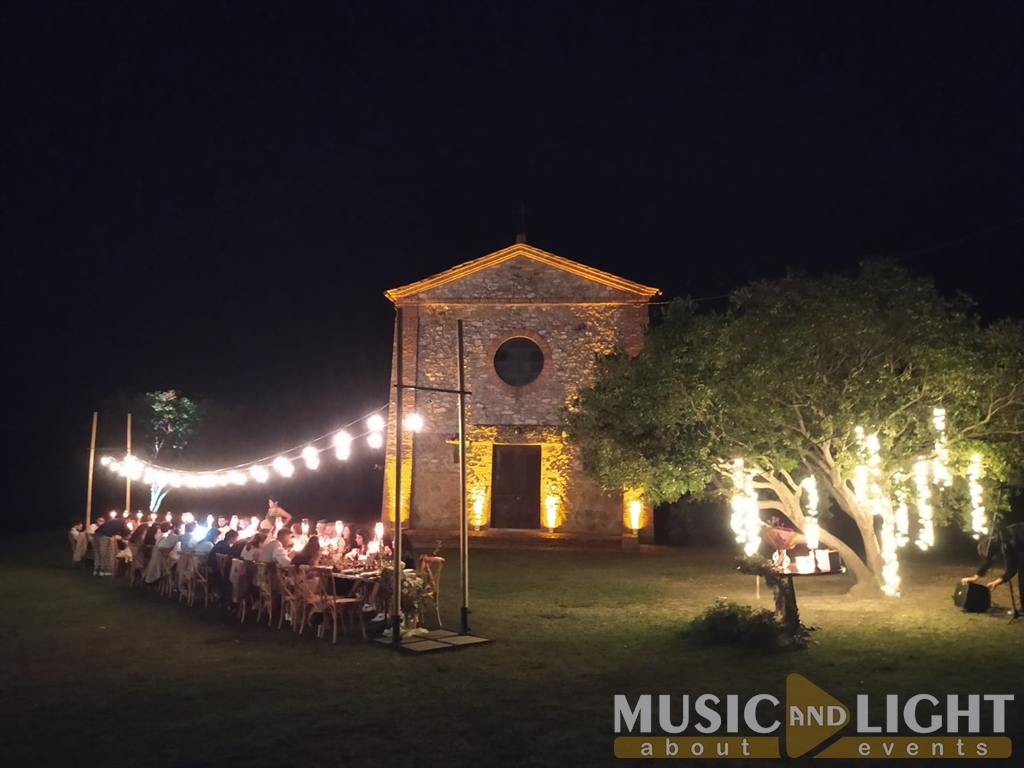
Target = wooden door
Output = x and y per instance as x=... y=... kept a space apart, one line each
x=515 y=486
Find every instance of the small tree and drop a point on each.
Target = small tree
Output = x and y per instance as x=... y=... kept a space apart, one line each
x=170 y=421
x=840 y=378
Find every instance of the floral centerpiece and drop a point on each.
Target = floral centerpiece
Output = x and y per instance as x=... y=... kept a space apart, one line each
x=414 y=587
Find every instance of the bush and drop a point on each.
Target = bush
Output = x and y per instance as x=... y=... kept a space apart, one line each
x=726 y=622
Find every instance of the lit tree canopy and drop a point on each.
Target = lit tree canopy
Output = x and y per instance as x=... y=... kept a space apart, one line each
x=784 y=378
x=169 y=421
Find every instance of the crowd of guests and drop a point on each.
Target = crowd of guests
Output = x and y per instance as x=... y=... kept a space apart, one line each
x=272 y=539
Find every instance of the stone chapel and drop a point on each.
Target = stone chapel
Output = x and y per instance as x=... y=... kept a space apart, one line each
x=533 y=323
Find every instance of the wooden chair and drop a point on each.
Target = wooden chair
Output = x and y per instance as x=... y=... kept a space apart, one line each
x=311 y=596
x=200 y=580
x=289 y=591
x=166 y=573
x=137 y=568
x=246 y=587
x=185 y=572
x=224 y=577
x=265 y=577
x=430 y=566
x=338 y=608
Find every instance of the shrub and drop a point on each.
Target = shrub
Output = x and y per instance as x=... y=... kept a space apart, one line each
x=729 y=623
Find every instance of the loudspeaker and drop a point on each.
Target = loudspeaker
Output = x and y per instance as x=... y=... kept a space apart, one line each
x=972 y=597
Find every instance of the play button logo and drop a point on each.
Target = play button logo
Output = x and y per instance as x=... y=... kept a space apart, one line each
x=811 y=715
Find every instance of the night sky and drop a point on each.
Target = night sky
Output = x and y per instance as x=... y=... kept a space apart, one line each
x=213 y=197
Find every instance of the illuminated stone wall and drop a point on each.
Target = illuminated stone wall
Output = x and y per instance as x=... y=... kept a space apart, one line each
x=572 y=319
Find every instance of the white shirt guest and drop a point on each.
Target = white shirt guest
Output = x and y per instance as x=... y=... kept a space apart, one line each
x=277 y=550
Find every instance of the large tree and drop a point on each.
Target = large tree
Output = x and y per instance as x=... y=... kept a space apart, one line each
x=796 y=378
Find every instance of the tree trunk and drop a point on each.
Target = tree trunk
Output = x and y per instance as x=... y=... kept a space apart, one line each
x=868 y=572
x=868 y=584
x=785 y=604
x=157 y=492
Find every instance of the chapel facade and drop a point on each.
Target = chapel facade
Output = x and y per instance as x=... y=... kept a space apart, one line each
x=533 y=324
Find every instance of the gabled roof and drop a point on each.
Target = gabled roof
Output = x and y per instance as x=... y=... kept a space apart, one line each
x=529 y=252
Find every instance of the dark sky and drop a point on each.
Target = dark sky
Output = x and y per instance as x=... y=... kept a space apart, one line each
x=213 y=197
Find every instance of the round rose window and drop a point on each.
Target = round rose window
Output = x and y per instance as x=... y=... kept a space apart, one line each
x=518 y=361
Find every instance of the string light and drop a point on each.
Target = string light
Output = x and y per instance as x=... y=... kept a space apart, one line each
x=284 y=467
x=926 y=537
x=746 y=519
x=311 y=456
x=902 y=513
x=940 y=464
x=135 y=468
x=810 y=487
x=342 y=445
x=979 y=522
x=867 y=488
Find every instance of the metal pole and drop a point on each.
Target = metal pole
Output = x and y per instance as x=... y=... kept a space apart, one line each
x=464 y=513
x=396 y=637
x=92 y=465
x=128 y=478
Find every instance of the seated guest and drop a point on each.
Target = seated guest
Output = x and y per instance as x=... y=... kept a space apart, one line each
x=137 y=542
x=206 y=544
x=222 y=547
x=79 y=542
x=346 y=544
x=276 y=551
x=161 y=550
x=223 y=524
x=251 y=551
x=408 y=555
x=309 y=554
x=362 y=546
x=188 y=539
x=152 y=534
x=237 y=545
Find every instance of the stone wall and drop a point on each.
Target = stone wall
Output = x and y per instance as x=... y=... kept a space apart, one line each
x=572 y=319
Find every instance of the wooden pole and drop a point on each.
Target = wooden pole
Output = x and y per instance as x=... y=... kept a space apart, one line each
x=92 y=465
x=128 y=478
x=396 y=636
x=464 y=512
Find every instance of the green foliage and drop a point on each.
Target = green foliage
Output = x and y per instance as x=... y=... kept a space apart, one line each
x=732 y=624
x=787 y=373
x=171 y=420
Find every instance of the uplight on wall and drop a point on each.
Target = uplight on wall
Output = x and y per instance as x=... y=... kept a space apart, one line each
x=551 y=513
x=635 y=508
x=479 y=499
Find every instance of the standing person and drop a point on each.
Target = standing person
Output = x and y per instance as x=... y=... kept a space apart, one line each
x=104 y=547
x=1008 y=540
x=275 y=510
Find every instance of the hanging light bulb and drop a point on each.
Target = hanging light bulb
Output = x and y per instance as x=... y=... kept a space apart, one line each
x=413 y=422
x=284 y=467
x=259 y=474
x=375 y=439
x=375 y=423
x=311 y=456
x=342 y=445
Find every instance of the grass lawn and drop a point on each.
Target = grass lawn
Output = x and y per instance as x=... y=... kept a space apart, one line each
x=95 y=671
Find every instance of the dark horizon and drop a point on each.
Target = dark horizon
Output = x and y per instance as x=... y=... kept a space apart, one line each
x=214 y=197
